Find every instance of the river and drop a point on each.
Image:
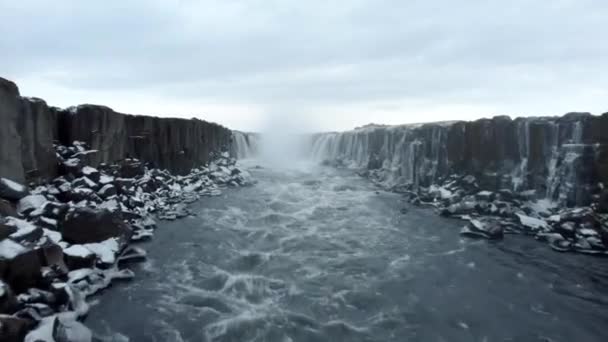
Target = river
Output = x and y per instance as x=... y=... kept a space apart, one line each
x=318 y=254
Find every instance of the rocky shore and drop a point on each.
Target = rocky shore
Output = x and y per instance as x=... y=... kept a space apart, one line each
x=71 y=238
x=544 y=176
x=79 y=187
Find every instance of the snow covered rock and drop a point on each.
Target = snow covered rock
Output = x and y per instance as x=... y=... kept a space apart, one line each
x=30 y=203
x=25 y=231
x=12 y=190
x=6 y=230
x=487 y=229
x=532 y=223
x=19 y=265
x=63 y=327
x=86 y=225
x=91 y=173
x=107 y=191
x=78 y=256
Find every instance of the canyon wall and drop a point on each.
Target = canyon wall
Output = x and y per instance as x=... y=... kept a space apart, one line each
x=562 y=158
x=29 y=128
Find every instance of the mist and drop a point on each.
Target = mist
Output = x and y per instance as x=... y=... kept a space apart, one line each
x=283 y=137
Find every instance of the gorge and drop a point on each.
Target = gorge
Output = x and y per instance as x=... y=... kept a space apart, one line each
x=313 y=251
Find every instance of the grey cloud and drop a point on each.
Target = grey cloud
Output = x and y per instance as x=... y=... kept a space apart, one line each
x=311 y=52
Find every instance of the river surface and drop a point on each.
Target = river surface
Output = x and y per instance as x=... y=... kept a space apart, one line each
x=318 y=254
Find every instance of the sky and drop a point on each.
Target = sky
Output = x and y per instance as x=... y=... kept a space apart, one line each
x=326 y=65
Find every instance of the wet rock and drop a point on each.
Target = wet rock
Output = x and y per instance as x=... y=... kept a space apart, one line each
x=532 y=223
x=462 y=208
x=63 y=327
x=491 y=230
x=12 y=190
x=132 y=254
x=85 y=225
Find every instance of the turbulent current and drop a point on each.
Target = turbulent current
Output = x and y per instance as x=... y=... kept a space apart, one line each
x=318 y=254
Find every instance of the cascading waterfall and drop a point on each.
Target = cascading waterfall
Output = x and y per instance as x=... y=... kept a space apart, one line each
x=245 y=145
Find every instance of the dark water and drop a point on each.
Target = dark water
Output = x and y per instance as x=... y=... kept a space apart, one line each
x=321 y=255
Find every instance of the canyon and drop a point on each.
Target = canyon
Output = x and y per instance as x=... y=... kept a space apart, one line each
x=341 y=243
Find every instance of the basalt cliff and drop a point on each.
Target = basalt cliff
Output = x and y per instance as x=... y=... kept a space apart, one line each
x=30 y=128
x=564 y=159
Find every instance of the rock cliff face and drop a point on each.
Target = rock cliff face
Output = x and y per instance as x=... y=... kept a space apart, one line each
x=562 y=158
x=29 y=128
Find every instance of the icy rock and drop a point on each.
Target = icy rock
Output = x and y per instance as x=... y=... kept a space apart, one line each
x=14 y=329
x=78 y=256
x=532 y=223
x=63 y=327
x=487 y=196
x=47 y=223
x=30 y=203
x=462 y=208
x=84 y=182
x=85 y=225
x=106 y=250
x=106 y=191
x=25 y=231
x=91 y=173
x=6 y=231
x=105 y=179
x=132 y=254
x=486 y=229
x=12 y=190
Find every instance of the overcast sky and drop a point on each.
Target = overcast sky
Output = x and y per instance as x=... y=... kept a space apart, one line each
x=331 y=64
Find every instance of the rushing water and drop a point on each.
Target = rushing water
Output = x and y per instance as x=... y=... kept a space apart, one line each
x=322 y=255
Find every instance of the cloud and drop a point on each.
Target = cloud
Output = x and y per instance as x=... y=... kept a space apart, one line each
x=344 y=63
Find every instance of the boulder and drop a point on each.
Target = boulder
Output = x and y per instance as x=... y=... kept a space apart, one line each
x=131 y=168
x=12 y=190
x=85 y=225
x=14 y=329
x=7 y=208
x=19 y=266
x=6 y=231
x=107 y=191
x=78 y=256
x=91 y=173
x=30 y=203
x=25 y=232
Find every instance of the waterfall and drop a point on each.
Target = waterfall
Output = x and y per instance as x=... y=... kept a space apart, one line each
x=244 y=145
x=546 y=154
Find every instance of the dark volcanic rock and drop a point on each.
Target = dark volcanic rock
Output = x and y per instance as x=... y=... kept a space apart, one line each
x=12 y=190
x=14 y=329
x=85 y=225
x=29 y=127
